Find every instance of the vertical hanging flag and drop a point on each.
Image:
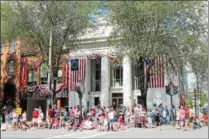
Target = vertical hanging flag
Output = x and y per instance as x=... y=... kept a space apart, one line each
x=77 y=72
x=157 y=73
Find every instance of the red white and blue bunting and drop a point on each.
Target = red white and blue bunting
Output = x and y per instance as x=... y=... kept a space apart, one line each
x=44 y=90
x=93 y=56
x=31 y=89
x=58 y=87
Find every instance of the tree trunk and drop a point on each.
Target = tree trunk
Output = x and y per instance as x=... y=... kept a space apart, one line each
x=54 y=92
x=197 y=97
x=143 y=79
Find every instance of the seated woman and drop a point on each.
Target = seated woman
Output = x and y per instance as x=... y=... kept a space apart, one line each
x=88 y=124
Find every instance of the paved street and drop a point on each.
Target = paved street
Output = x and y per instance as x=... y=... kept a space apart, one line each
x=166 y=132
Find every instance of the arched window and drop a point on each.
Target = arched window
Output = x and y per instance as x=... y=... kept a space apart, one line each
x=11 y=68
x=11 y=46
x=44 y=73
x=31 y=78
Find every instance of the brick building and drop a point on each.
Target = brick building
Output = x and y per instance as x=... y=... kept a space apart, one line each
x=24 y=76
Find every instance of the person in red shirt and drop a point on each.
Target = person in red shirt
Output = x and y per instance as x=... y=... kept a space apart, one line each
x=35 y=114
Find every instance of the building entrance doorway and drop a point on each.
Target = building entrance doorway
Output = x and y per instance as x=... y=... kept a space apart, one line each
x=9 y=93
x=117 y=100
x=96 y=101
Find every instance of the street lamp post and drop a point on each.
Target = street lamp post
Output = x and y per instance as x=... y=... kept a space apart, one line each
x=171 y=94
x=80 y=90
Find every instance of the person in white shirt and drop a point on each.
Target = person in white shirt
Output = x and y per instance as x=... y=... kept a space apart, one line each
x=24 y=117
x=111 y=116
x=40 y=118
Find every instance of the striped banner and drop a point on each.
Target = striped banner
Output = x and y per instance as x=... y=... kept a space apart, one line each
x=77 y=70
x=157 y=74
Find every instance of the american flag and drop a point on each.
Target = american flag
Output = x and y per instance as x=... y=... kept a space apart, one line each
x=77 y=70
x=157 y=74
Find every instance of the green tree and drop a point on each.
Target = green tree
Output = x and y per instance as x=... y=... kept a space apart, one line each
x=189 y=99
x=203 y=98
x=33 y=21
x=146 y=30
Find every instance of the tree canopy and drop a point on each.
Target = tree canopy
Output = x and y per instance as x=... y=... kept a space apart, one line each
x=173 y=30
x=158 y=28
x=33 y=22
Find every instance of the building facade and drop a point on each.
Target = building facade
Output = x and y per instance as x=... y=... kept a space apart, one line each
x=112 y=80
x=27 y=74
x=109 y=79
x=10 y=71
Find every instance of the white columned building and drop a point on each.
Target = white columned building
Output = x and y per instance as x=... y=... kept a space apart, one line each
x=105 y=81
x=127 y=82
x=110 y=81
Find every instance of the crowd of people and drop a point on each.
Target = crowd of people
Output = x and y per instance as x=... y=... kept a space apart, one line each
x=104 y=118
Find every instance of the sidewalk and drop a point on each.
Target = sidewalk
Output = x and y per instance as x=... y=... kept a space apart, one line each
x=4 y=126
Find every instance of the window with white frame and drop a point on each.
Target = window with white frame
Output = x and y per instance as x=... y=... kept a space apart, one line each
x=59 y=77
x=31 y=77
x=44 y=74
x=96 y=75
x=11 y=46
x=117 y=73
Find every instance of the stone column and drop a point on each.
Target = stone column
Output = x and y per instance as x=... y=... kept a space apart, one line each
x=127 y=82
x=87 y=82
x=105 y=81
